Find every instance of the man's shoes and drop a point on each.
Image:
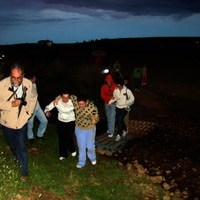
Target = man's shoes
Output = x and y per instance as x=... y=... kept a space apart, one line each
x=74 y=154
x=62 y=158
x=118 y=138
x=23 y=178
x=124 y=133
x=94 y=162
x=110 y=135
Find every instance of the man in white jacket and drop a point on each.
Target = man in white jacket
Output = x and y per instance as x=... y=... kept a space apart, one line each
x=124 y=99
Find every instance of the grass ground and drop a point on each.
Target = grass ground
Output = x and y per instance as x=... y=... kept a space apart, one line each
x=53 y=179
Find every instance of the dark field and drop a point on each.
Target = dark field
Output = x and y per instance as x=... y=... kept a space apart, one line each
x=171 y=98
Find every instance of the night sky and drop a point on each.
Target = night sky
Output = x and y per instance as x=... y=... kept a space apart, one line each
x=63 y=21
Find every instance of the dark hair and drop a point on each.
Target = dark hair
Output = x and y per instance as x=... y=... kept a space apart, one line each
x=120 y=82
x=31 y=75
x=81 y=97
x=17 y=66
x=64 y=92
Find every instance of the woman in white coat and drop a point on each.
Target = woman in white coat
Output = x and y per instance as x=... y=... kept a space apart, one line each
x=124 y=99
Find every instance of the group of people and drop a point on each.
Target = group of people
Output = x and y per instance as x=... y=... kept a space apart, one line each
x=18 y=107
x=140 y=77
x=118 y=100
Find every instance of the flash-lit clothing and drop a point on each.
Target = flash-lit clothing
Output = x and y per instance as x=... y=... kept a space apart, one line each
x=65 y=110
x=85 y=131
x=86 y=144
x=65 y=126
x=9 y=115
x=39 y=113
x=85 y=114
x=107 y=95
x=14 y=120
x=124 y=98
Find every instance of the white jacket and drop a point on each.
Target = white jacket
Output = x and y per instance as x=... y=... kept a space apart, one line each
x=65 y=110
x=124 y=98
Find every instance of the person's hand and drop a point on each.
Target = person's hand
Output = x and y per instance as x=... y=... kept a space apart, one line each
x=55 y=102
x=94 y=121
x=48 y=114
x=16 y=102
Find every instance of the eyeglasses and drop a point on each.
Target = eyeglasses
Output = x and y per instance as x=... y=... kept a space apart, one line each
x=16 y=78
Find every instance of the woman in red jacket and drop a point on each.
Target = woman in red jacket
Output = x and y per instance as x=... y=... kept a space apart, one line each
x=107 y=94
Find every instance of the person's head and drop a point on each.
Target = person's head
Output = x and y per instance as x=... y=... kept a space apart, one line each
x=16 y=75
x=81 y=99
x=65 y=96
x=120 y=83
x=109 y=79
x=33 y=78
x=126 y=80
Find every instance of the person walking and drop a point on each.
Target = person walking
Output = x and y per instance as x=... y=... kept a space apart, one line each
x=85 y=129
x=107 y=94
x=65 y=124
x=124 y=99
x=18 y=98
x=144 y=75
x=38 y=112
x=137 y=76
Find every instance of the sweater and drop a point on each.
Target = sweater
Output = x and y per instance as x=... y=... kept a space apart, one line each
x=65 y=110
x=85 y=115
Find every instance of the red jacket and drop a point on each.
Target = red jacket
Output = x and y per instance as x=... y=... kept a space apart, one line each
x=107 y=90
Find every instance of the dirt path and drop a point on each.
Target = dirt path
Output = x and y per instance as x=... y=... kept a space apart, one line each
x=170 y=149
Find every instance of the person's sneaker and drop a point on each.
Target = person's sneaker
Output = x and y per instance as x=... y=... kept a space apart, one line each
x=79 y=166
x=74 y=154
x=62 y=158
x=118 y=138
x=124 y=133
x=40 y=138
x=110 y=135
x=94 y=162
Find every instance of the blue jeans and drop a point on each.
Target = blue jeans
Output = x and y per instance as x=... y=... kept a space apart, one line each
x=86 y=144
x=42 y=122
x=110 y=115
x=16 y=139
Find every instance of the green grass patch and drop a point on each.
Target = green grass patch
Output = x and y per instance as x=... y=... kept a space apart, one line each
x=50 y=178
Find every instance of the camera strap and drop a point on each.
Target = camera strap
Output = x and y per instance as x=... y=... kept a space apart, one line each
x=14 y=92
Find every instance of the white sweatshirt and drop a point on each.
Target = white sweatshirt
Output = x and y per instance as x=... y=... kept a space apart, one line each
x=65 y=110
x=123 y=98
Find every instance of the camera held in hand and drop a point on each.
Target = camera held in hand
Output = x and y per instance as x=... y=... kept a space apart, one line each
x=23 y=102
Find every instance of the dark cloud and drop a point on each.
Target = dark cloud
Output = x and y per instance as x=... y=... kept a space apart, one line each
x=138 y=7
x=16 y=11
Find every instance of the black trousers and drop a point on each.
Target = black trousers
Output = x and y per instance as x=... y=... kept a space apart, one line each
x=66 y=139
x=120 y=115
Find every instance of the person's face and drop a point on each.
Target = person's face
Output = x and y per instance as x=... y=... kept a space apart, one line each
x=119 y=86
x=16 y=77
x=125 y=82
x=65 y=98
x=33 y=80
x=82 y=104
x=108 y=83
